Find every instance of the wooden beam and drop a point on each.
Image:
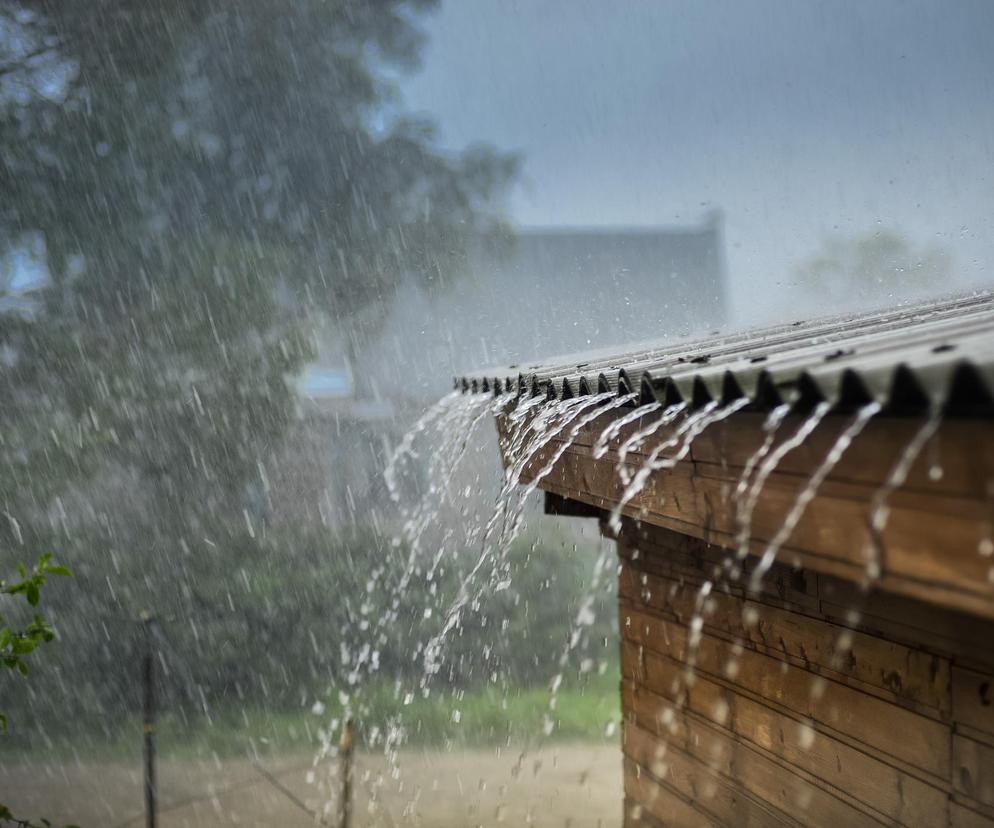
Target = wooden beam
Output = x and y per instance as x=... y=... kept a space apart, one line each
x=936 y=544
x=567 y=507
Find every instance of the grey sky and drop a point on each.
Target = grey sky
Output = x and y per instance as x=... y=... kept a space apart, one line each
x=799 y=119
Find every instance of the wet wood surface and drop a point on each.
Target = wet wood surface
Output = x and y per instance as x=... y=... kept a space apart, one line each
x=792 y=715
x=936 y=546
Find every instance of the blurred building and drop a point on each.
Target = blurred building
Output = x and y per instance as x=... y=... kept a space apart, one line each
x=558 y=290
x=331 y=466
x=552 y=290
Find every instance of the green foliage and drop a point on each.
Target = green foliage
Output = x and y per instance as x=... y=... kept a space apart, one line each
x=8 y=818
x=586 y=710
x=262 y=622
x=17 y=643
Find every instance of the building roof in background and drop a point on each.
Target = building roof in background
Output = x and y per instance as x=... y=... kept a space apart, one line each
x=939 y=353
x=504 y=306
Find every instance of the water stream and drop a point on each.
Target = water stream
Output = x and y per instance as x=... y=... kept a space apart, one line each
x=544 y=427
x=610 y=404
x=530 y=426
x=637 y=439
x=405 y=450
x=449 y=426
x=767 y=462
x=810 y=489
x=767 y=467
x=879 y=506
x=614 y=428
x=686 y=433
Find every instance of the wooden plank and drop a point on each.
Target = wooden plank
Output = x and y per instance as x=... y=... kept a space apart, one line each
x=708 y=790
x=973 y=699
x=833 y=525
x=650 y=802
x=931 y=542
x=870 y=721
x=852 y=774
x=962 y=449
x=918 y=750
x=949 y=634
x=900 y=671
x=973 y=769
x=662 y=551
x=936 y=524
x=737 y=765
x=962 y=816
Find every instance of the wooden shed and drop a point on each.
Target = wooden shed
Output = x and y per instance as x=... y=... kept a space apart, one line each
x=804 y=519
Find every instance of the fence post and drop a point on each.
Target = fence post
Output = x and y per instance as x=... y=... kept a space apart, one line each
x=148 y=724
x=345 y=747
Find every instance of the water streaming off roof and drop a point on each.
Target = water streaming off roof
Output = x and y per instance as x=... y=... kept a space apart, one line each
x=733 y=259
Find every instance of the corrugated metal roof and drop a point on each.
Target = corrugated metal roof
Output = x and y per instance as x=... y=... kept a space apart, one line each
x=939 y=353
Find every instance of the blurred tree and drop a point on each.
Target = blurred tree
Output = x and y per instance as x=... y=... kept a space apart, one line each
x=204 y=178
x=873 y=267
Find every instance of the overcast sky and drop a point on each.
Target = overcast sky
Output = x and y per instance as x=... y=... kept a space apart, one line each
x=798 y=119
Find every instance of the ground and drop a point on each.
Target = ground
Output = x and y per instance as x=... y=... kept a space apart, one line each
x=573 y=785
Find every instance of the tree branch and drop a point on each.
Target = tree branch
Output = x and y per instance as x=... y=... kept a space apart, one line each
x=20 y=63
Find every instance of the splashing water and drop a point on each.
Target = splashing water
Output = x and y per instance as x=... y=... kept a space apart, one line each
x=531 y=424
x=526 y=436
x=442 y=469
x=766 y=461
x=614 y=428
x=448 y=427
x=544 y=427
x=453 y=420
x=807 y=494
x=685 y=435
x=767 y=468
x=770 y=427
x=639 y=438
x=584 y=618
x=612 y=403
x=879 y=506
x=696 y=625
x=878 y=517
x=519 y=427
x=405 y=450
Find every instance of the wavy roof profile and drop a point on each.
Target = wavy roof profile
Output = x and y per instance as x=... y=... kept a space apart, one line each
x=938 y=354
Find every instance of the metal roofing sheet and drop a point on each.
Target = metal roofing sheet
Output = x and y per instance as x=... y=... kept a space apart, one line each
x=940 y=354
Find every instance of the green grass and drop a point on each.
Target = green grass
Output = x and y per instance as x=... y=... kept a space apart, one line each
x=481 y=717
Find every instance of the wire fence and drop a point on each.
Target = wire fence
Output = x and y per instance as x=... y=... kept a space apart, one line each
x=158 y=648
x=215 y=794
x=274 y=779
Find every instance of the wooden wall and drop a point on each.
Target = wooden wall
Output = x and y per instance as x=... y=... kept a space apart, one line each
x=938 y=524
x=793 y=718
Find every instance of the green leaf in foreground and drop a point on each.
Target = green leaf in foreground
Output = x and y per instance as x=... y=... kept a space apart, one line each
x=17 y=642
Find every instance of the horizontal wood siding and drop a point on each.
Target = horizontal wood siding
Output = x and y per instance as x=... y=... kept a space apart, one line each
x=935 y=546
x=791 y=716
